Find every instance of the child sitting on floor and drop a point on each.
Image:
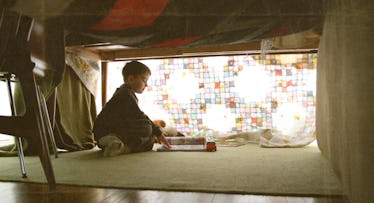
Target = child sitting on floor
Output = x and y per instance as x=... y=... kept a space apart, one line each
x=121 y=127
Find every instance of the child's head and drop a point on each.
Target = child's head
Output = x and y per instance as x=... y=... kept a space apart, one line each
x=135 y=75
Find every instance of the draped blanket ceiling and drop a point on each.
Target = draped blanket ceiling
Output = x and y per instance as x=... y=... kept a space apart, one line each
x=176 y=23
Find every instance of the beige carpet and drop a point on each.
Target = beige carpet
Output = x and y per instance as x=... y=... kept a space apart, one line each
x=246 y=169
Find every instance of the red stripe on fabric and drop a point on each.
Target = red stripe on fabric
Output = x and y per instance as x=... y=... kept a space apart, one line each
x=127 y=14
x=278 y=32
x=176 y=42
x=284 y=29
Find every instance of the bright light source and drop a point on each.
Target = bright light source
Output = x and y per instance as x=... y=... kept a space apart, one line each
x=219 y=118
x=289 y=120
x=182 y=86
x=146 y=102
x=252 y=83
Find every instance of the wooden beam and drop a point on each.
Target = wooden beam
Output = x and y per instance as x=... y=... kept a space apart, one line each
x=244 y=48
x=124 y=54
x=104 y=79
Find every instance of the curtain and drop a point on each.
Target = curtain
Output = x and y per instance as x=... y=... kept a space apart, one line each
x=76 y=112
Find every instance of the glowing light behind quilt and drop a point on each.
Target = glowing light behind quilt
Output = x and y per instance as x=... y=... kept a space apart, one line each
x=230 y=94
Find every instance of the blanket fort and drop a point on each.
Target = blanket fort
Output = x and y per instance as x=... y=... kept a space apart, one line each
x=189 y=143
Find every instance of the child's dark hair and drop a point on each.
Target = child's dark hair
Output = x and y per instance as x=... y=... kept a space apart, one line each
x=134 y=68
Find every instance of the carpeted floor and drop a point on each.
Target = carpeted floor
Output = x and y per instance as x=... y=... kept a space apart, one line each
x=246 y=169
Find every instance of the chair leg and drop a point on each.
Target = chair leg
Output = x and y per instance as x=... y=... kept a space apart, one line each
x=43 y=149
x=33 y=123
x=21 y=156
x=47 y=121
x=31 y=126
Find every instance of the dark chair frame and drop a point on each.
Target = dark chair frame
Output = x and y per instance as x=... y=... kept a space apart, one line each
x=15 y=58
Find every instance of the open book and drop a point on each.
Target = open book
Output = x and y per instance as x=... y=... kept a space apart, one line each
x=163 y=148
x=196 y=143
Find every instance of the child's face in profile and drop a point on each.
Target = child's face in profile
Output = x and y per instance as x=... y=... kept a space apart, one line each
x=138 y=83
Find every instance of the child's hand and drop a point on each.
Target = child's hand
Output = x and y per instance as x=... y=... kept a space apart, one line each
x=163 y=140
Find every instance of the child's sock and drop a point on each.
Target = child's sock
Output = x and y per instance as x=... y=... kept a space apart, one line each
x=113 y=146
x=116 y=148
